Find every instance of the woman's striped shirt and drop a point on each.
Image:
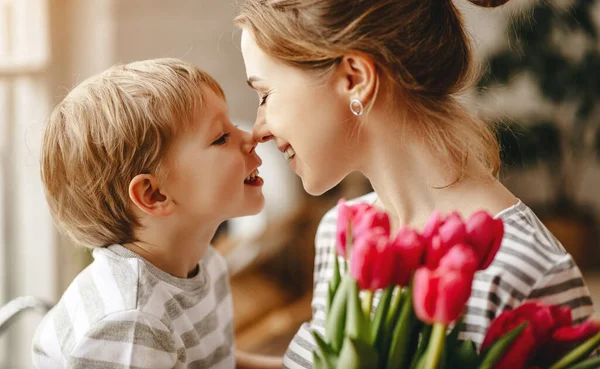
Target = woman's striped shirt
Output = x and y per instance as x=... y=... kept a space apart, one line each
x=530 y=265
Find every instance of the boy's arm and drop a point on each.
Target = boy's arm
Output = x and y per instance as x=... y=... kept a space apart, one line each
x=125 y=339
x=246 y=360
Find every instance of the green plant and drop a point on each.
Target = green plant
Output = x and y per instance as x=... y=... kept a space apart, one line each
x=573 y=81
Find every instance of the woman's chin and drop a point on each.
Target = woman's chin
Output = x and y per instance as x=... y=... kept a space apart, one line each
x=317 y=188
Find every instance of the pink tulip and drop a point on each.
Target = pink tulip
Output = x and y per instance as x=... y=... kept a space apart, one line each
x=348 y=216
x=372 y=261
x=344 y=219
x=441 y=235
x=484 y=234
x=432 y=225
x=440 y=295
x=460 y=257
x=367 y=219
x=408 y=248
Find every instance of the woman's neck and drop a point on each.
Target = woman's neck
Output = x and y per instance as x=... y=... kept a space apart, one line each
x=411 y=182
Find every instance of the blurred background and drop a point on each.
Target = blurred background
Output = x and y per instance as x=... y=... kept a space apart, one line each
x=540 y=89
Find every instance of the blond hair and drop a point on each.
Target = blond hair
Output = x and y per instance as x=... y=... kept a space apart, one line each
x=420 y=46
x=107 y=130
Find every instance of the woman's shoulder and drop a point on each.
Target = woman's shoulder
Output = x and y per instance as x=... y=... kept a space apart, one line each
x=532 y=264
x=522 y=227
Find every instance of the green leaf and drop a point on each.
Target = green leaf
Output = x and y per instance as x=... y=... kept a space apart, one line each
x=391 y=318
x=330 y=294
x=357 y=325
x=463 y=355
x=399 y=357
x=452 y=338
x=356 y=354
x=334 y=282
x=498 y=348
x=591 y=363
x=336 y=320
x=579 y=352
x=321 y=344
x=379 y=317
x=425 y=335
x=327 y=356
x=318 y=361
x=397 y=295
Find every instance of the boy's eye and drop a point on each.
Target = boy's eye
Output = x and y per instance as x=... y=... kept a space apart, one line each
x=222 y=140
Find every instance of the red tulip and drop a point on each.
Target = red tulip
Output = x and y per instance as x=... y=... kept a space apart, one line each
x=549 y=333
x=484 y=234
x=408 y=248
x=564 y=339
x=372 y=261
x=579 y=332
x=441 y=235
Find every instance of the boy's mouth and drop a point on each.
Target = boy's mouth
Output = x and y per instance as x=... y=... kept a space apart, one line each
x=253 y=179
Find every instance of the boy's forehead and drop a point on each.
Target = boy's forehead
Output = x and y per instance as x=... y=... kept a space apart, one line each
x=212 y=110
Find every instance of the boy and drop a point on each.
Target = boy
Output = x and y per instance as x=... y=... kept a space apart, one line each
x=142 y=164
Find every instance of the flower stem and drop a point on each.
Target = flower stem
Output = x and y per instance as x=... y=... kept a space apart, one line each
x=367 y=303
x=436 y=346
x=581 y=351
x=394 y=305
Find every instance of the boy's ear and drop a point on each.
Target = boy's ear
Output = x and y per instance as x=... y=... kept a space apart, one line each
x=146 y=195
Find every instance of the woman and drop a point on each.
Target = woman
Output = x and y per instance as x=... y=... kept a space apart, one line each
x=370 y=86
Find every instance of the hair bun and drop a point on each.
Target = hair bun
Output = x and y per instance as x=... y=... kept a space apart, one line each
x=489 y=3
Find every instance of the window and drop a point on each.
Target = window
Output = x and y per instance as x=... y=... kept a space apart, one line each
x=27 y=238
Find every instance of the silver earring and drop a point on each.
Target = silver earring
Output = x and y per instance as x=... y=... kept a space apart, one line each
x=356 y=107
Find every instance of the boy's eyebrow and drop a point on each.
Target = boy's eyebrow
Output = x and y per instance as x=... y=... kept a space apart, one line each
x=251 y=81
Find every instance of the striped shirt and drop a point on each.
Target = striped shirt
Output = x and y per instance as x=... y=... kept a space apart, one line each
x=122 y=312
x=530 y=264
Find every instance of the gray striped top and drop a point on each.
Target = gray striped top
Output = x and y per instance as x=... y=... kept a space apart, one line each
x=122 y=312
x=531 y=264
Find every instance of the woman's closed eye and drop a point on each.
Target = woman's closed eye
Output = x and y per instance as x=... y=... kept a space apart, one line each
x=222 y=140
x=263 y=99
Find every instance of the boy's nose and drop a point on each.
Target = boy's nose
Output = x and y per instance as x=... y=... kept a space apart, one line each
x=260 y=132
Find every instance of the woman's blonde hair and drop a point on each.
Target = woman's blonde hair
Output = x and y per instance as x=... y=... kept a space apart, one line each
x=420 y=46
x=107 y=130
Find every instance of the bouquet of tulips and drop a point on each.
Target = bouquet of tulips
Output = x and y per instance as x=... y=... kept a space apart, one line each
x=423 y=282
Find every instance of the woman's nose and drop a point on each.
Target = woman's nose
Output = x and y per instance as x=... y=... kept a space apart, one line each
x=249 y=143
x=260 y=132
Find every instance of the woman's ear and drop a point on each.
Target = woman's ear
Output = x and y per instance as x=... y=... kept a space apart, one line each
x=359 y=77
x=145 y=193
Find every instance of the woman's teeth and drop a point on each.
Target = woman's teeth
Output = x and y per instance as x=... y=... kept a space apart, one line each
x=289 y=153
x=252 y=176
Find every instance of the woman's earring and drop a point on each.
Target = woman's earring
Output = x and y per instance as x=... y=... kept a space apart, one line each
x=356 y=107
